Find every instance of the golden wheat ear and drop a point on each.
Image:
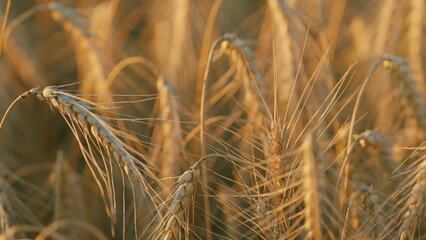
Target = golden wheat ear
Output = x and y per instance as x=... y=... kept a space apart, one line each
x=101 y=145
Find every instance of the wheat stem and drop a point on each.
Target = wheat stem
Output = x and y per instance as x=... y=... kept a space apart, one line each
x=4 y=26
x=22 y=96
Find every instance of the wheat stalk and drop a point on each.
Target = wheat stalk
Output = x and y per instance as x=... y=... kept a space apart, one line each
x=311 y=196
x=415 y=33
x=4 y=26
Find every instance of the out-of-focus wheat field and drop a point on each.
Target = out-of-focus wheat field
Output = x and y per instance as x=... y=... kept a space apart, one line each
x=213 y=119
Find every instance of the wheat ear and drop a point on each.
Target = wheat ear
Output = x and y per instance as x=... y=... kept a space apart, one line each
x=80 y=112
x=181 y=201
x=381 y=147
x=348 y=211
x=401 y=73
x=243 y=59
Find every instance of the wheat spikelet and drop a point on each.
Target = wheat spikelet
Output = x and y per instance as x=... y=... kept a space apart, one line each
x=271 y=215
x=277 y=166
x=181 y=202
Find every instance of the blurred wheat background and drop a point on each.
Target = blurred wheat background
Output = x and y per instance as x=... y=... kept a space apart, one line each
x=214 y=119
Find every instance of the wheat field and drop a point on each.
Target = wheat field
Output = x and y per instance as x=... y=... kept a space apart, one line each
x=213 y=119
